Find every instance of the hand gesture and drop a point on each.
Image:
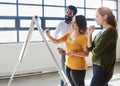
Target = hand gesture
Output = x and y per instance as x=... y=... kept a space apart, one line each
x=91 y=29
x=70 y=53
x=61 y=51
x=47 y=31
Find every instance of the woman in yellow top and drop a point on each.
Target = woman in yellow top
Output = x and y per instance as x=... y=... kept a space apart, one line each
x=76 y=50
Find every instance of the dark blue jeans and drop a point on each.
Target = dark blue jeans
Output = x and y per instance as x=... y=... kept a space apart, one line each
x=76 y=77
x=99 y=76
x=63 y=67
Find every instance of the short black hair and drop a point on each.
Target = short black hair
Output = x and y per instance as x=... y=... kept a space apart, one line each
x=72 y=8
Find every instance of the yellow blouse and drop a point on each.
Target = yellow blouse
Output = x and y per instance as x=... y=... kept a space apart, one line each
x=78 y=44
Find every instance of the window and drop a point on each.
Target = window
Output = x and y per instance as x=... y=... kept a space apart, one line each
x=10 y=1
x=77 y=3
x=54 y=2
x=16 y=15
x=25 y=23
x=7 y=10
x=6 y=23
x=30 y=10
x=93 y=4
x=52 y=23
x=90 y=13
x=110 y=3
x=53 y=11
x=8 y=36
x=80 y=12
x=30 y=1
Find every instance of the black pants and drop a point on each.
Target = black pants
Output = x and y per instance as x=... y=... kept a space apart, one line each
x=76 y=77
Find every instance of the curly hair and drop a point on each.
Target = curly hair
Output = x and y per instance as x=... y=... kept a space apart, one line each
x=72 y=8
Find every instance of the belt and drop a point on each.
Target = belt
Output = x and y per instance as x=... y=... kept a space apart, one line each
x=98 y=64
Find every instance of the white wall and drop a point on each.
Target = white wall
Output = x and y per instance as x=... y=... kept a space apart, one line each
x=37 y=58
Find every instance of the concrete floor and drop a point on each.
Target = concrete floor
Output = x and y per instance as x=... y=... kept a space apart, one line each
x=53 y=79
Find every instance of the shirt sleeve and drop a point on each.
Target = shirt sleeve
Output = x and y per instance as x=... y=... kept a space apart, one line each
x=57 y=32
x=60 y=40
x=84 y=40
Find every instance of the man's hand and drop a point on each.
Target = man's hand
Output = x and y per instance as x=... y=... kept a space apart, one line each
x=61 y=51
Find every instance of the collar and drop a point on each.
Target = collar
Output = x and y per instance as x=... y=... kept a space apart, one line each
x=69 y=23
x=104 y=30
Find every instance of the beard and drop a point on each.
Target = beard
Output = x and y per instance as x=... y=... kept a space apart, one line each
x=68 y=19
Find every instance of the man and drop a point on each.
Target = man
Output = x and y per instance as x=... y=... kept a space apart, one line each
x=64 y=27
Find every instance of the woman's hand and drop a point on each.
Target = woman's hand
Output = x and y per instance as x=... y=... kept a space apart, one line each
x=83 y=53
x=47 y=31
x=91 y=29
x=70 y=53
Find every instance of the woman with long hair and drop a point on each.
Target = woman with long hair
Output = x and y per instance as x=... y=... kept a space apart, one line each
x=76 y=50
x=103 y=47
